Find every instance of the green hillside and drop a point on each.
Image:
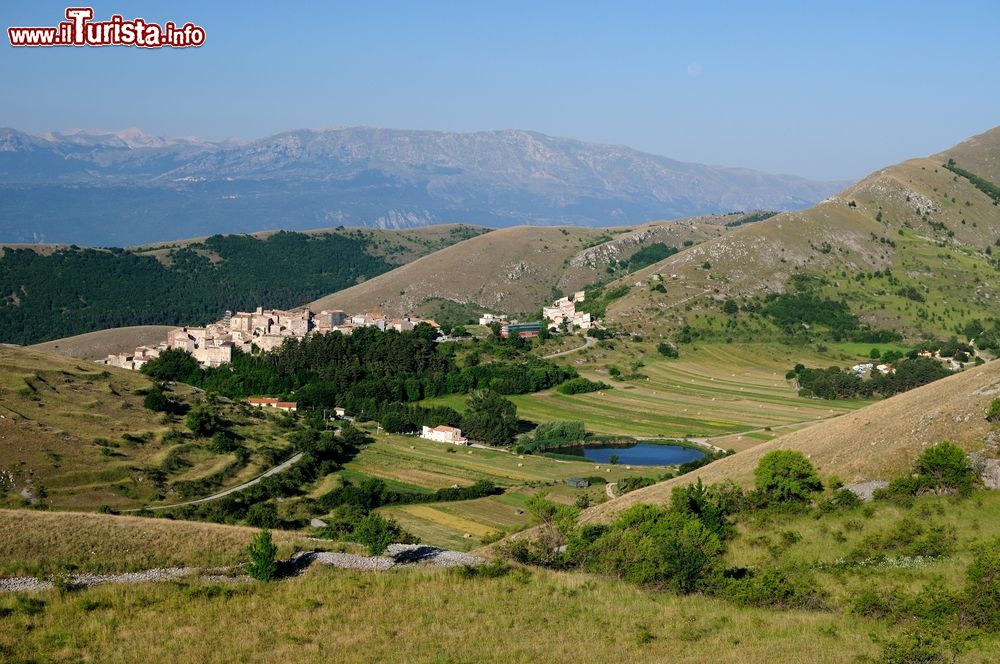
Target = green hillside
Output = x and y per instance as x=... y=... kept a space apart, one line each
x=65 y=291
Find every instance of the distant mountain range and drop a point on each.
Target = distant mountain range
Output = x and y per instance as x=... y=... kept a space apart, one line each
x=103 y=188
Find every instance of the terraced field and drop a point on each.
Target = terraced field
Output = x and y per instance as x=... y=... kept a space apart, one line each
x=735 y=394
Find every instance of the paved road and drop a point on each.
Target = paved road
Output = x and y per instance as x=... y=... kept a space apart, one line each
x=285 y=465
x=588 y=342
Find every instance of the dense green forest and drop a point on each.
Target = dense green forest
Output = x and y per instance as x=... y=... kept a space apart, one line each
x=837 y=383
x=367 y=371
x=76 y=290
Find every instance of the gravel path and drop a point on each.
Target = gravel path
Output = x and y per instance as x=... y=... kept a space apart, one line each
x=30 y=583
x=397 y=555
x=587 y=343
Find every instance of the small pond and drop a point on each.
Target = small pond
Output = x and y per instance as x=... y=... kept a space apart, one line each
x=640 y=454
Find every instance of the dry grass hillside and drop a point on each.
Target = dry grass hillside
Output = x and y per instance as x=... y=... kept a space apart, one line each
x=52 y=410
x=516 y=270
x=877 y=442
x=47 y=542
x=98 y=345
x=933 y=229
x=979 y=154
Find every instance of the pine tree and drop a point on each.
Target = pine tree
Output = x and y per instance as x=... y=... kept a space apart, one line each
x=262 y=551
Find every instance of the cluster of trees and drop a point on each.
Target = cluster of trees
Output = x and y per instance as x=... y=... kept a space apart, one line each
x=982 y=184
x=372 y=493
x=490 y=418
x=793 y=310
x=838 y=383
x=549 y=435
x=597 y=299
x=78 y=290
x=323 y=451
x=985 y=332
x=653 y=253
x=369 y=372
x=802 y=307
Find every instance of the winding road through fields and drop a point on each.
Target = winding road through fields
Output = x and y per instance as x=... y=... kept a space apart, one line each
x=284 y=465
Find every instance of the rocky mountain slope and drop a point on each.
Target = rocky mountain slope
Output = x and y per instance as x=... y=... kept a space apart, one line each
x=518 y=270
x=909 y=247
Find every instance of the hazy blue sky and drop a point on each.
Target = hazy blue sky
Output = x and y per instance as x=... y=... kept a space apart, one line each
x=830 y=90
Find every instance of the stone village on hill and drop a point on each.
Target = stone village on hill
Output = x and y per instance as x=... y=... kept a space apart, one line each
x=267 y=329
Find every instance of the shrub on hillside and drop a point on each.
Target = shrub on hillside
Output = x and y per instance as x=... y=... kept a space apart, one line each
x=773 y=588
x=981 y=605
x=908 y=538
x=203 y=421
x=786 y=476
x=652 y=546
x=993 y=412
x=941 y=469
x=262 y=551
x=944 y=468
x=839 y=500
x=376 y=533
x=262 y=515
x=667 y=350
x=704 y=503
x=156 y=401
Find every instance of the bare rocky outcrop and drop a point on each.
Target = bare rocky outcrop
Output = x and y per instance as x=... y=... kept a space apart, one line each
x=866 y=490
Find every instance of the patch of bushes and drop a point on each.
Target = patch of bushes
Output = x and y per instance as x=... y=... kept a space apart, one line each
x=581 y=386
x=908 y=538
x=667 y=350
x=943 y=469
x=653 y=546
x=772 y=588
x=784 y=477
x=157 y=401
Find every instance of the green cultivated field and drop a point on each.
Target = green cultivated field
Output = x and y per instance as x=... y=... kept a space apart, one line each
x=733 y=392
x=409 y=463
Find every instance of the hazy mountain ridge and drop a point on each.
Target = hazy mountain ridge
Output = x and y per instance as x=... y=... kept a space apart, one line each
x=94 y=187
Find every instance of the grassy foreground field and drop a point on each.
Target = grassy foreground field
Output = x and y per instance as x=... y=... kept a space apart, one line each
x=417 y=616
